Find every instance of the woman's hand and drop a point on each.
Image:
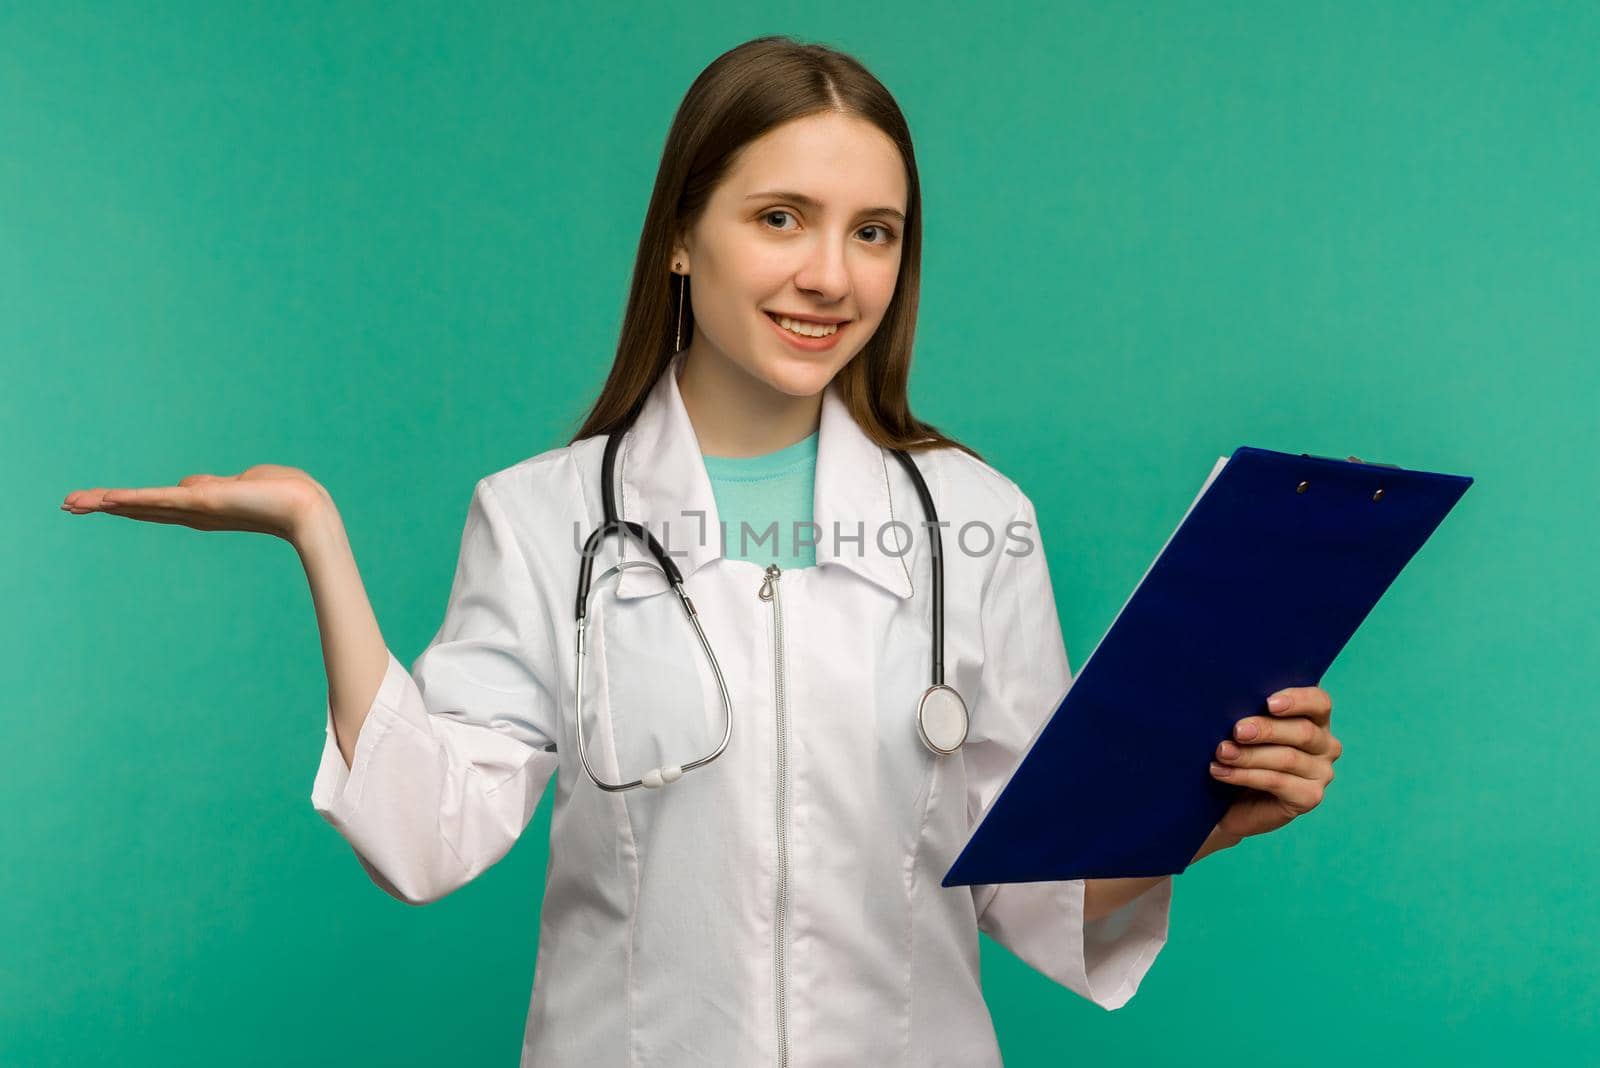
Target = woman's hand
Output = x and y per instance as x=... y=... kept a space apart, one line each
x=266 y=499
x=1286 y=760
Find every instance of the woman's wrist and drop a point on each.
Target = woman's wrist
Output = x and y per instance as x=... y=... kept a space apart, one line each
x=317 y=529
x=1216 y=842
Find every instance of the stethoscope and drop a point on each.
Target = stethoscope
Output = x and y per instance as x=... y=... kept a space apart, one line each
x=941 y=713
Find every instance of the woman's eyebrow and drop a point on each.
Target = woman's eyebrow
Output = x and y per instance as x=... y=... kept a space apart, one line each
x=814 y=205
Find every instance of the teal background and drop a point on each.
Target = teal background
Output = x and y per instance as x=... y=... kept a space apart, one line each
x=390 y=244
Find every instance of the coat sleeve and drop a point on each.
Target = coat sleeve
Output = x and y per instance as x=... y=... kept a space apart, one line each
x=1025 y=672
x=452 y=758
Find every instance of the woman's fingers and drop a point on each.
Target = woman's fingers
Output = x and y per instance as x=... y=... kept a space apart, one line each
x=1301 y=794
x=89 y=500
x=154 y=515
x=176 y=498
x=1283 y=758
x=135 y=498
x=159 y=504
x=179 y=496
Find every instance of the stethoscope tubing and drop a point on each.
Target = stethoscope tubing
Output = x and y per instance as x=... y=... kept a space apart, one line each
x=936 y=545
x=612 y=525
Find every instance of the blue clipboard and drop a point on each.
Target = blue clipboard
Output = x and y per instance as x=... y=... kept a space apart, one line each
x=1262 y=583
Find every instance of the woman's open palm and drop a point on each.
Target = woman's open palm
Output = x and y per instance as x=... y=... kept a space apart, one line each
x=266 y=498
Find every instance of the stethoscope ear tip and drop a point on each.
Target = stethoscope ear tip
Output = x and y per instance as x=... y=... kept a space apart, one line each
x=656 y=778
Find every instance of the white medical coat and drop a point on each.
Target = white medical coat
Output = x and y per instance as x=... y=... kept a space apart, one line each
x=782 y=904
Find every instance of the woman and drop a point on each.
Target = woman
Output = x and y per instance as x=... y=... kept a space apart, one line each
x=778 y=902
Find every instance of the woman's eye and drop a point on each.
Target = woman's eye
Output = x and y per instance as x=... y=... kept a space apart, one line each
x=888 y=236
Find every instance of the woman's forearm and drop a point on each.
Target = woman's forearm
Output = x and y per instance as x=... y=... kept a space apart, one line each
x=1102 y=897
x=353 y=650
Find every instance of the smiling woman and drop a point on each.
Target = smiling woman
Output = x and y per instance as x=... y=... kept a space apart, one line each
x=788 y=192
x=793 y=868
x=820 y=263
x=774 y=303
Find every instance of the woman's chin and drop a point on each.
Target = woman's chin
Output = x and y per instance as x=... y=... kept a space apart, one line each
x=805 y=381
x=803 y=375
x=794 y=374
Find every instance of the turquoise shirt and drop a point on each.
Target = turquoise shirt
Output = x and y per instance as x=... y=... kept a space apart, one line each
x=761 y=498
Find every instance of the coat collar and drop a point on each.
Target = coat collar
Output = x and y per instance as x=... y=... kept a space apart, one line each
x=665 y=486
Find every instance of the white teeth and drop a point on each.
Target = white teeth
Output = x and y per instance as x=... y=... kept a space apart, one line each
x=795 y=326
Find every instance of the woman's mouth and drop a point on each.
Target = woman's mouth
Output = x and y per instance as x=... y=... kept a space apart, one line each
x=812 y=337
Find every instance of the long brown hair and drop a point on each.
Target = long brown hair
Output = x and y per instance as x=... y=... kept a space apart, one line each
x=742 y=94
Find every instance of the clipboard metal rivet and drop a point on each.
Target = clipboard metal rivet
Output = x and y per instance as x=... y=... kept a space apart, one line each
x=1302 y=487
x=1378 y=496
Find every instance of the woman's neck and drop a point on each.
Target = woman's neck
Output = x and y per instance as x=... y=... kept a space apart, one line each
x=736 y=415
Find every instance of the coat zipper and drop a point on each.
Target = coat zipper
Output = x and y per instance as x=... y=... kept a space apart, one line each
x=769 y=593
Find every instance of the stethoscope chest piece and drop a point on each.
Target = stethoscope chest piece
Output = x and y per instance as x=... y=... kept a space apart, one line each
x=942 y=719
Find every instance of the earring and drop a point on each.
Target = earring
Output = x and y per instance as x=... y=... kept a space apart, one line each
x=677 y=338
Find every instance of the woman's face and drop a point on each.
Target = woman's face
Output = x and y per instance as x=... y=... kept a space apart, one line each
x=808 y=222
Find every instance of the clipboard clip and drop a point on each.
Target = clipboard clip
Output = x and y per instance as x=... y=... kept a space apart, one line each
x=1352 y=459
